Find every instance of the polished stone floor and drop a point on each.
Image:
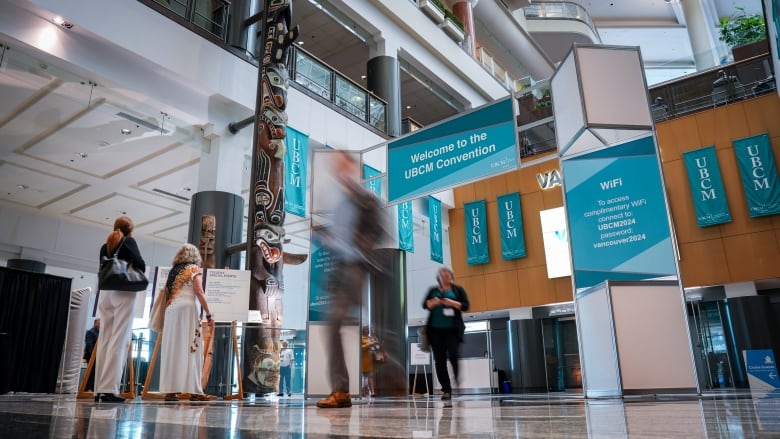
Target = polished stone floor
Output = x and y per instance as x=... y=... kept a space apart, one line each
x=718 y=415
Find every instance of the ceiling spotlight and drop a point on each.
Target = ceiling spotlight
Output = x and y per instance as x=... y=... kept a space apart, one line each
x=125 y=131
x=62 y=22
x=22 y=186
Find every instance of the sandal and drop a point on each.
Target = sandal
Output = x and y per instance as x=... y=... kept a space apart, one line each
x=171 y=396
x=202 y=397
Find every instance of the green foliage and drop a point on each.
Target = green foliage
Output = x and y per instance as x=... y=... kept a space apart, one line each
x=454 y=19
x=439 y=5
x=741 y=29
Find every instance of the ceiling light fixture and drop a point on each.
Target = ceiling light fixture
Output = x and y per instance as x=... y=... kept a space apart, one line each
x=125 y=131
x=22 y=186
x=62 y=22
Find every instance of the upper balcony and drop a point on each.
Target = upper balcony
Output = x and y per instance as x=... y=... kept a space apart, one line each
x=557 y=25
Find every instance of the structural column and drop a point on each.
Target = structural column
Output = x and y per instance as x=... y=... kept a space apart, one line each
x=464 y=11
x=383 y=78
x=701 y=34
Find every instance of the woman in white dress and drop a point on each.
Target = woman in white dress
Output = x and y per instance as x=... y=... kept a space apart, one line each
x=181 y=358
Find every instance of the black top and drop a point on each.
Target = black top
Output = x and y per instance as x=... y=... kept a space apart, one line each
x=460 y=293
x=128 y=251
x=90 y=338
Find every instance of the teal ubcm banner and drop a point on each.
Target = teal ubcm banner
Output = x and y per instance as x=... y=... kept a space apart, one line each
x=405 y=227
x=709 y=196
x=759 y=175
x=476 y=233
x=510 y=221
x=295 y=162
x=434 y=217
x=374 y=185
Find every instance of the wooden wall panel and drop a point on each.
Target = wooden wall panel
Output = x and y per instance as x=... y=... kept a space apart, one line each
x=719 y=127
x=681 y=203
x=703 y=263
x=563 y=289
x=752 y=256
x=532 y=204
x=489 y=188
x=676 y=136
x=475 y=288
x=463 y=194
x=502 y=290
x=762 y=116
x=535 y=287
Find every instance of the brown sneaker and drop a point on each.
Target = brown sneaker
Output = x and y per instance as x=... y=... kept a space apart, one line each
x=335 y=400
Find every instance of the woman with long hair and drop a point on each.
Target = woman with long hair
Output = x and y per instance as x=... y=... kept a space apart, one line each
x=181 y=357
x=115 y=309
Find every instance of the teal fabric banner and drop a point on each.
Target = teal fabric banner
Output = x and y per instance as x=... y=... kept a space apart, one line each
x=709 y=196
x=375 y=185
x=296 y=166
x=510 y=221
x=434 y=216
x=759 y=175
x=405 y=227
x=476 y=233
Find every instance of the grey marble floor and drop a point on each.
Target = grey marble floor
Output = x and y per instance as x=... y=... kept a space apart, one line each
x=722 y=415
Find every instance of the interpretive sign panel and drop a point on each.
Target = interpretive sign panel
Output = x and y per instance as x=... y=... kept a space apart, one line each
x=472 y=146
x=227 y=293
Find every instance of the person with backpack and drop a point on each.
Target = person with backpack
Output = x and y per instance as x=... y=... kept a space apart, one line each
x=350 y=240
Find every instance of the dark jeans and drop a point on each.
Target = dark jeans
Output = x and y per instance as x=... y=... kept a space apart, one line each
x=346 y=292
x=285 y=372
x=444 y=344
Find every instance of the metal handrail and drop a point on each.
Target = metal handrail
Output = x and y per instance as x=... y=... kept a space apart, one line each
x=560 y=10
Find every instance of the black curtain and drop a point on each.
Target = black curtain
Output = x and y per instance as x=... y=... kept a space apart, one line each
x=33 y=321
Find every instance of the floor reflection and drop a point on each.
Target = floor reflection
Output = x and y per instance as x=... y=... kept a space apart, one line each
x=733 y=414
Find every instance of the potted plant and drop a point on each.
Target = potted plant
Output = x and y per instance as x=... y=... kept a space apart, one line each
x=433 y=9
x=744 y=34
x=453 y=26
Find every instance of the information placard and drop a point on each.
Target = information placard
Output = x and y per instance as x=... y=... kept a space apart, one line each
x=227 y=292
x=417 y=357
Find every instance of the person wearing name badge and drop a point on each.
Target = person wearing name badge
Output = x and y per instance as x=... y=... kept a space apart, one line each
x=115 y=309
x=285 y=369
x=445 y=327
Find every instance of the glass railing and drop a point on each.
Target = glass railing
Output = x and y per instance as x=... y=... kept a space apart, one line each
x=536 y=127
x=560 y=11
x=209 y=15
x=328 y=84
x=704 y=90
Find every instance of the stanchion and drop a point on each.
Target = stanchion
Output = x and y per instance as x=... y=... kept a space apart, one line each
x=414 y=382
x=240 y=394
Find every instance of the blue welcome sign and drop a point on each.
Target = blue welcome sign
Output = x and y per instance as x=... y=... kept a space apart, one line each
x=472 y=146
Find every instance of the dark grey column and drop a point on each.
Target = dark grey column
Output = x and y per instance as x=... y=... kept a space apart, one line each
x=747 y=324
x=27 y=265
x=527 y=344
x=383 y=78
x=228 y=210
x=387 y=301
x=239 y=35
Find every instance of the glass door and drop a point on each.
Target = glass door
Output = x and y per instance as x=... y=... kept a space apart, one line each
x=562 y=355
x=714 y=362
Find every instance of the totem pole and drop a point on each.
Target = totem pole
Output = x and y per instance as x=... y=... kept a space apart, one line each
x=265 y=232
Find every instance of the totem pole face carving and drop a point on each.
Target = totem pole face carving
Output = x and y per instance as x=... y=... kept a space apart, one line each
x=208 y=227
x=266 y=256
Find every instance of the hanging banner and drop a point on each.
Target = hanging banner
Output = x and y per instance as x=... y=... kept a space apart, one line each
x=709 y=196
x=759 y=175
x=465 y=148
x=476 y=233
x=434 y=215
x=296 y=167
x=375 y=185
x=405 y=227
x=618 y=220
x=510 y=222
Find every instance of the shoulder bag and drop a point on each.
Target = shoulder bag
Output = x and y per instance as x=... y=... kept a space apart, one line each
x=118 y=274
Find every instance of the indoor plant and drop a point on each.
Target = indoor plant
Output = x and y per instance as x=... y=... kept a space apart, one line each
x=744 y=34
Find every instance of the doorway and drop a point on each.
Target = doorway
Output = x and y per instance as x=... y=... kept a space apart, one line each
x=714 y=361
x=561 y=353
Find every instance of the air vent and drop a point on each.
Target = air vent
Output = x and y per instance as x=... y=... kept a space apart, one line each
x=160 y=191
x=142 y=122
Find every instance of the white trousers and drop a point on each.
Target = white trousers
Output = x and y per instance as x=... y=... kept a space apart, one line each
x=115 y=309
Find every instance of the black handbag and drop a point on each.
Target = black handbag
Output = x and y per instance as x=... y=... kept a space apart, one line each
x=118 y=274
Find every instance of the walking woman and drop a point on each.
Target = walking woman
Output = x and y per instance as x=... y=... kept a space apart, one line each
x=115 y=309
x=181 y=357
x=445 y=327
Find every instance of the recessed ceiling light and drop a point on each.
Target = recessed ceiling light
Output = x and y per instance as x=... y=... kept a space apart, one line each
x=408 y=107
x=125 y=131
x=21 y=186
x=300 y=43
x=62 y=22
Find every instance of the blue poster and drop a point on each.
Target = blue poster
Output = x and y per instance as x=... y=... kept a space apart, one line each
x=405 y=227
x=618 y=222
x=296 y=166
x=709 y=196
x=510 y=223
x=319 y=272
x=434 y=216
x=761 y=369
x=759 y=175
x=374 y=185
x=476 y=233
x=472 y=146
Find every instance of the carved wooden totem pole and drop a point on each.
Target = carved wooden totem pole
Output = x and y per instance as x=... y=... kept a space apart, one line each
x=266 y=232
